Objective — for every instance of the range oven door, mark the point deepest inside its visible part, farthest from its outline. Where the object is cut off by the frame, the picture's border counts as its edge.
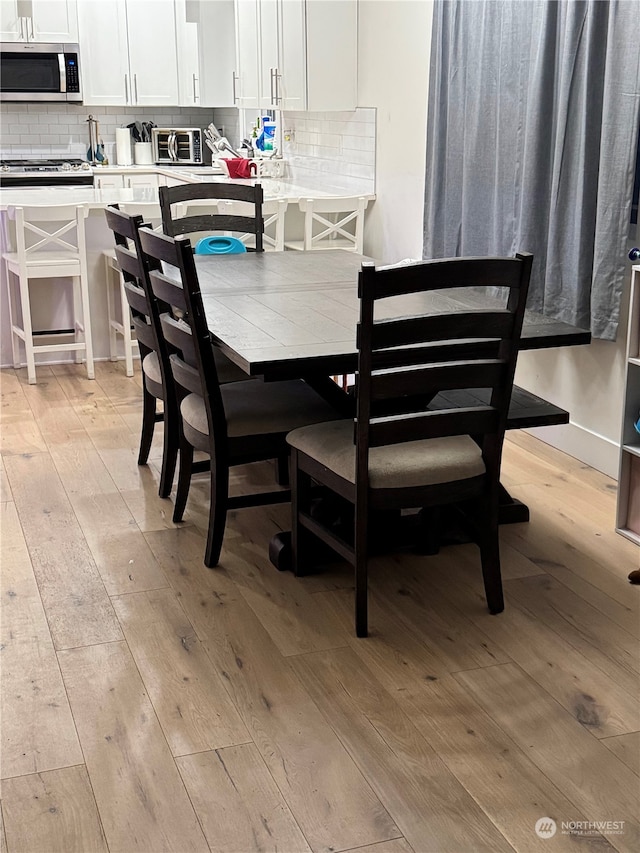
(50, 179)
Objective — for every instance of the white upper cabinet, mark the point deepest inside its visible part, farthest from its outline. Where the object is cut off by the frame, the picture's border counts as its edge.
(248, 54)
(217, 53)
(153, 59)
(104, 53)
(39, 21)
(187, 23)
(297, 54)
(128, 50)
(332, 54)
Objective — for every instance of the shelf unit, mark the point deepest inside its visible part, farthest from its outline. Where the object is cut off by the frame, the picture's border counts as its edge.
(628, 509)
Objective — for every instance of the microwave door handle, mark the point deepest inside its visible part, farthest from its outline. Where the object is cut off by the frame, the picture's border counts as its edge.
(63, 72)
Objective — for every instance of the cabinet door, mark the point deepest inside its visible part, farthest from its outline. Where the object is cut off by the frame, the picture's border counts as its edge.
(268, 52)
(109, 182)
(332, 55)
(291, 85)
(188, 56)
(104, 54)
(13, 27)
(149, 181)
(56, 20)
(153, 60)
(217, 53)
(247, 54)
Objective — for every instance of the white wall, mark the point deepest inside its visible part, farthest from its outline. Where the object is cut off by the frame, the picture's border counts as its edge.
(394, 38)
(394, 48)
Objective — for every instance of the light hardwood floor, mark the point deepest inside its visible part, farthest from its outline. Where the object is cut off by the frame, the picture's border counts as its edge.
(150, 704)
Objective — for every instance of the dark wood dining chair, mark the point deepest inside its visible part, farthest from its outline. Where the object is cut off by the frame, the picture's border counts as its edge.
(398, 454)
(157, 378)
(212, 222)
(234, 424)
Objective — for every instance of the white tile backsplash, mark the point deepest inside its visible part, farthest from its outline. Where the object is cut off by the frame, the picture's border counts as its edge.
(331, 150)
(44, 130)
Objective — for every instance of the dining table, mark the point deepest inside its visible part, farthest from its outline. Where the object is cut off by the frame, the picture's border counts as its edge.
(285, 315)
(282, 315)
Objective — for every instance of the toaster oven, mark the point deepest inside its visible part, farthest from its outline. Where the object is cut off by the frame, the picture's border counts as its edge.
(177, 145)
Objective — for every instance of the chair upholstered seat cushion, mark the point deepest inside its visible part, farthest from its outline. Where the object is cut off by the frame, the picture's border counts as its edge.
(394, 466)
(258, 408)
(151, 367)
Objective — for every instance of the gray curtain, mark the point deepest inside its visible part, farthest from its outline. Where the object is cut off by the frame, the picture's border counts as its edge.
(534, 110)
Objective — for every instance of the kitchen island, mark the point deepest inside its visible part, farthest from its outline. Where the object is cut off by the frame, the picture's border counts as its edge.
(143, 200)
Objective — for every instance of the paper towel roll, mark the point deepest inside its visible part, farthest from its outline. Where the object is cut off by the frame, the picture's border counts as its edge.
(123, 146)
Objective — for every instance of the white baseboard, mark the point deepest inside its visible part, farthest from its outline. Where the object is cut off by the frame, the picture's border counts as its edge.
(590, 447)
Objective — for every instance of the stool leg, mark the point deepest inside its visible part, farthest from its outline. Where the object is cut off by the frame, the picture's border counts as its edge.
(86, 321)
(10, 278)
(109, 272)
(25, 305)
(126, 329)
(76, 313)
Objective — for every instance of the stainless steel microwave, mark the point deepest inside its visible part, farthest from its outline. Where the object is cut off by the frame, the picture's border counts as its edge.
(177, 145)
(39, 72)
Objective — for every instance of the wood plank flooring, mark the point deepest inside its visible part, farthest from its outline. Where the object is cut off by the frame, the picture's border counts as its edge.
(150, 704)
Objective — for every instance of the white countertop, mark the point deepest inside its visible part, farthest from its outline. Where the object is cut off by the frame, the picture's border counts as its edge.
(99, 198)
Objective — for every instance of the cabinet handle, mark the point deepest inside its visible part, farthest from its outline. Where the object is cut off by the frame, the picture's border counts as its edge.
(195, 96)
(276, 77)
(234, 78)
(271, 95)
(22, 36)
(135, 86)
(32, 36)
(62, 72)
(126, 88)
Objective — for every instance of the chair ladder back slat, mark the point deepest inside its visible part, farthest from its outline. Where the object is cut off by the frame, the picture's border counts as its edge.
(129, 263)
(167, 290)
(137, 299)
(144, 332)
(430, 379)
(178, 335)
(186, 376)
(433, 354)
(459, 272)
(440, 327)
(476, 420)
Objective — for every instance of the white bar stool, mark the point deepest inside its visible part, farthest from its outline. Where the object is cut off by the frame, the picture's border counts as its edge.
(322, 233)
(50, 243)
(273, 213)
(118, 314)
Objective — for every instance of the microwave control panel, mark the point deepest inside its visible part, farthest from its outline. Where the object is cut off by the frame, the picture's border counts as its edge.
(197, 147)
(73, 78)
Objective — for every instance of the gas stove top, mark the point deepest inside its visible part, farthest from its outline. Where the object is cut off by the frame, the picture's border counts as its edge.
(42, 173)
(43, 166)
